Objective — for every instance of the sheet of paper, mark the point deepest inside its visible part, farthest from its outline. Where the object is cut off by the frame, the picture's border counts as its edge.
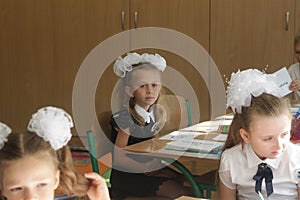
(215, 123)
(194, 145)
(221, 137)
(207, 126)
(224, 117)
(199, 128)
(179, 135)
(190, 154)
(283, 80)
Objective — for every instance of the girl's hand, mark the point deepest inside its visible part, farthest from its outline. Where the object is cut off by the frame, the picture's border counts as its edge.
(98, 189)
(295, 85)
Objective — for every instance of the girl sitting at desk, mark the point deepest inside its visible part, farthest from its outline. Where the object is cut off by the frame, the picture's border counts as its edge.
(258, 160)
(139, 120)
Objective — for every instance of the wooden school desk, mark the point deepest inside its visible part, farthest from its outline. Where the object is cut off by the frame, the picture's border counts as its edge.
(196, 165)
(189, 165)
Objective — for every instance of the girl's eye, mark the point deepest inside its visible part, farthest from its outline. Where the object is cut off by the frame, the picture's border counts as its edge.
(42, 185)
(16, 189)
(154, 84)
(267, 139)
(142, 86)
(284, 135)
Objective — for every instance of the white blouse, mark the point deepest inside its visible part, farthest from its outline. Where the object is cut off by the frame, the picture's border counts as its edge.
(238, 166)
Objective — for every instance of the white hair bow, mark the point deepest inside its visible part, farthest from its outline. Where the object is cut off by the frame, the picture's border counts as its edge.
(4, 132)
(53, 125)
(124, 65)
(244, 84)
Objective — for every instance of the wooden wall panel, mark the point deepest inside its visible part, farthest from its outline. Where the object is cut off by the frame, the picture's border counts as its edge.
(26, 60)
(251, 33)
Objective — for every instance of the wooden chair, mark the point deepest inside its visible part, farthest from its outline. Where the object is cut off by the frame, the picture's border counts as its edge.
(178, 112)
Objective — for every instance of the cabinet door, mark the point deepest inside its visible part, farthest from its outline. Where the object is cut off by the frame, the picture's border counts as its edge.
(43, 44)
(251, 33)
(26, 60)
(190, 17)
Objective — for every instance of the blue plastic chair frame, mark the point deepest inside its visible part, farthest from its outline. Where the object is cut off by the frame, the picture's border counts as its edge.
(188, 108)
(92, 151)
(208, 189)
(94, 160)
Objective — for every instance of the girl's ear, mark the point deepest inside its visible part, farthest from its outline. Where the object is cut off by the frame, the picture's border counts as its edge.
(129, 91)
(244, 135)
(57, 176)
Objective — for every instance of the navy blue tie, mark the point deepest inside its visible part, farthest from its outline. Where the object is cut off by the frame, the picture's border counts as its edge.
(264, 172)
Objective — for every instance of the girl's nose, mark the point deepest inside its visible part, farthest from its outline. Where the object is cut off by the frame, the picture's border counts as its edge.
(148, 89)
(278, 143)
(29, 195)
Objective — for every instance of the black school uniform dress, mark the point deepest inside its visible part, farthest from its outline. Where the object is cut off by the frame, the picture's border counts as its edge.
(124, 182)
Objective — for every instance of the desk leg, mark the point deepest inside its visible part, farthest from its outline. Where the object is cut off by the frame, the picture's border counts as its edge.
(188, 175)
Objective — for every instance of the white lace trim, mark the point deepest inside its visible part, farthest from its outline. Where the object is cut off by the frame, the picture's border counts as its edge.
(4, 132)
(249, 82)
(124, 65)
(53, 125)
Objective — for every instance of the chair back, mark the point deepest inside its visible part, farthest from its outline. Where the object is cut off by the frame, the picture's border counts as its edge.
(104, 121)
(178, 112)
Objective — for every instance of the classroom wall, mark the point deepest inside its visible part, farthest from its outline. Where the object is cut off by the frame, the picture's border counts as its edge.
(43, 44)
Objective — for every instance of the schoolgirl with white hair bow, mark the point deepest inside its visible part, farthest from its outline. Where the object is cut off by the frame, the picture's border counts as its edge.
(258, 161)
(34, 163)
(140, 118)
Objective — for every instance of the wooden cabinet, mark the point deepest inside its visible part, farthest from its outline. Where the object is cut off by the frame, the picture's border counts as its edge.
(27, 61)
(190, 17)
(43, 44)
(252, 33)
(297, 16)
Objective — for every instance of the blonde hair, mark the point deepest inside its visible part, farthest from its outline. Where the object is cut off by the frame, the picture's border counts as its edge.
(130, 103)
(265, 105)
(20, 145)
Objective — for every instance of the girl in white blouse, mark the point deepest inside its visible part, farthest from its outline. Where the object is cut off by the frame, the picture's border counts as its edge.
(258, 160)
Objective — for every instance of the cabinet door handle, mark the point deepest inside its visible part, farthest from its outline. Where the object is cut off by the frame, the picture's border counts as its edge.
(135, 19)
(122, 20)
(287, 17)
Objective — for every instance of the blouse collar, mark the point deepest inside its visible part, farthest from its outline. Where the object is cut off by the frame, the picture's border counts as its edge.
(147, 116)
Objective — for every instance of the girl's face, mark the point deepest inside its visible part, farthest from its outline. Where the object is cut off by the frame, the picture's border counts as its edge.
(145, 87)
(268, 136)
(30, 178)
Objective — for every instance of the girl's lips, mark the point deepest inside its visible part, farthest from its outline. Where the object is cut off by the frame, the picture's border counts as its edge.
(149, 98)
